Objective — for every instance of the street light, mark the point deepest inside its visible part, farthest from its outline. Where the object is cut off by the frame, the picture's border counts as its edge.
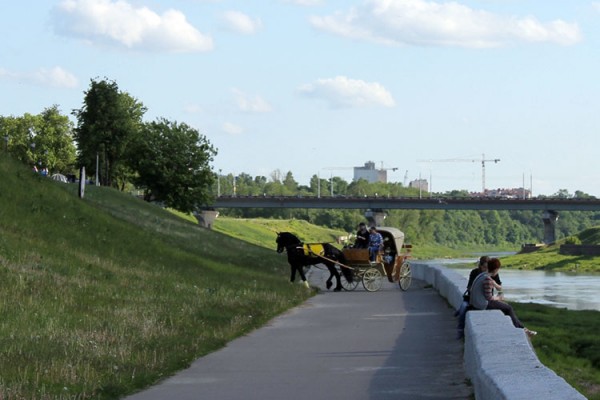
(219, 184)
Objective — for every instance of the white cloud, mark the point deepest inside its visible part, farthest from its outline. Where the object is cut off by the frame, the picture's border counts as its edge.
(254, 104)
(53, 77)
(307, 3)
(118, 22)
(193, 109)
(232, 129)
(596, 5)
(343, 92)
(241, 23)
(429, 23)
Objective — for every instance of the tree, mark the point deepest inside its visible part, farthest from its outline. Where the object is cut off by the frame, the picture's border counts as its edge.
(55, 141)
(106, 123)
(172, 164)
(290, 184)
(43, 140)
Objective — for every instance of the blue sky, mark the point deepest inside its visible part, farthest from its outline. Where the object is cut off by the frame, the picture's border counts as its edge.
(318, 87)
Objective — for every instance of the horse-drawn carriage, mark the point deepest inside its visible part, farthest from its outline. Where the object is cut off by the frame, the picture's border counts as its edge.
(390, 262)
(354, 264)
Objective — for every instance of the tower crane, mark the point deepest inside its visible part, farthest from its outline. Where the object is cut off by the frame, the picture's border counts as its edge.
(483, 160)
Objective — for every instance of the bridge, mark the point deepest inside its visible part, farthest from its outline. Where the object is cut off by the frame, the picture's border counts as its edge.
(407, 203)
(375, 206)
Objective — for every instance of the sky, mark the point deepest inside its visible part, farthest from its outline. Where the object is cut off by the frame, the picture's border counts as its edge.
(426, 89)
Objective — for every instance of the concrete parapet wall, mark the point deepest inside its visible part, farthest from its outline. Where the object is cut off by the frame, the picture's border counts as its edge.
(499, 358)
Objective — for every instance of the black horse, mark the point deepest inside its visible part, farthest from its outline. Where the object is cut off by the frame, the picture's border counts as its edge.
(298, 258)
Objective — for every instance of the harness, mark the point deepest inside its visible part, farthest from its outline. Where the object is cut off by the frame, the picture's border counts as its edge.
(313, 249)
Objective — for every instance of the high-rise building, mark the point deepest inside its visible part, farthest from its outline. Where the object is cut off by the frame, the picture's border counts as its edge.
(420, 184)
(369, 173)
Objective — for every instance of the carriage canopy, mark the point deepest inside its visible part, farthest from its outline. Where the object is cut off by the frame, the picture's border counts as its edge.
(393, 238)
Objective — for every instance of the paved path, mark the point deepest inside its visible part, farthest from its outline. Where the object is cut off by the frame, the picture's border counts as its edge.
(349, 345)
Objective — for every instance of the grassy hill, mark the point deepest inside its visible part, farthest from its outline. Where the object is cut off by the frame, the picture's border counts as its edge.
(549, 258)
(104, 295)
(263, 231)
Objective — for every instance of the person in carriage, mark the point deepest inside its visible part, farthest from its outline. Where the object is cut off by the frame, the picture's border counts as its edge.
(375, 243)
(362, 237)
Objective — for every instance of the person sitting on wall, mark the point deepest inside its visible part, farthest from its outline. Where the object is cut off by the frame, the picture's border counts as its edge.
(461, 313)
(483, 298)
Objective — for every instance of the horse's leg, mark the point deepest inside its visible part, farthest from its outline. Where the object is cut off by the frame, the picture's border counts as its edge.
(328, 283)
(300, 269)
(293, 273)
(333, 272)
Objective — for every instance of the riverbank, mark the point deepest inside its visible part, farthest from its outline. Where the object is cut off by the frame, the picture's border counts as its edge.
(497, 356)
(567, 342)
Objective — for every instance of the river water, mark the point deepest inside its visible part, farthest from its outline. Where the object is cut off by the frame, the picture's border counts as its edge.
(574, 291)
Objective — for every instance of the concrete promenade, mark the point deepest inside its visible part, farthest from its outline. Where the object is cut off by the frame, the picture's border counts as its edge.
(348, 345)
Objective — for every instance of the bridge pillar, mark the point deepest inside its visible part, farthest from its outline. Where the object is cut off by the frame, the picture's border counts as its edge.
(206, 218)
(375, 217)
(550, 217)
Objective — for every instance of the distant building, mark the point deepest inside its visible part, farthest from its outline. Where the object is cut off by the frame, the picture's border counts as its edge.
(369, 173)
(420, 184)
(508, 193)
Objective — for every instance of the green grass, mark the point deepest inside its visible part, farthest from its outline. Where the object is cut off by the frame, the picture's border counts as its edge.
(103, 296)
(263, 232)
(548, 258)
(567, 342)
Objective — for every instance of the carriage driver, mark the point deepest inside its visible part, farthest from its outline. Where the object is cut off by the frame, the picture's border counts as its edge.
(375, 243)
(362, 237)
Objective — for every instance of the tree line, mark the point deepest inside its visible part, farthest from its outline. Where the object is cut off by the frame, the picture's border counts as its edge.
(450, 228)
(167, 160)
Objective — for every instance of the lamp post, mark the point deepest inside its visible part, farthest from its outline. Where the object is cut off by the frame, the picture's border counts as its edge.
(219, 184)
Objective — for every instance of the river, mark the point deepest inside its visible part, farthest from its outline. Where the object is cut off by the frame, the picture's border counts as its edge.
(575, 291)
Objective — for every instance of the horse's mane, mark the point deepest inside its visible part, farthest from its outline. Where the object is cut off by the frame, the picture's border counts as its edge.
(288, 236)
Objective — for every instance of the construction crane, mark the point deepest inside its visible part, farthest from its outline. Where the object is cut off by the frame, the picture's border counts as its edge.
(483, 160)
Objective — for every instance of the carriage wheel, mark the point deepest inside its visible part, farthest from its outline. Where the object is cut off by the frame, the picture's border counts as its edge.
(349, 286)
(372, 280)
(405, 276)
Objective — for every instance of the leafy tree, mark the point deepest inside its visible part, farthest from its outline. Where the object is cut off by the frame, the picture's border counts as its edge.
(55, 141)
(21, 137)
(172, 164)
(290, 183)
(106, 124)
(562, 194)
(43, 140)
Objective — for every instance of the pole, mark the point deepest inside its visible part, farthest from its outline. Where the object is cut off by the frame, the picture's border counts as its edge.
(331, 183)
(318, 184)
(219, 184)
(97, 166)
(482, 173)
